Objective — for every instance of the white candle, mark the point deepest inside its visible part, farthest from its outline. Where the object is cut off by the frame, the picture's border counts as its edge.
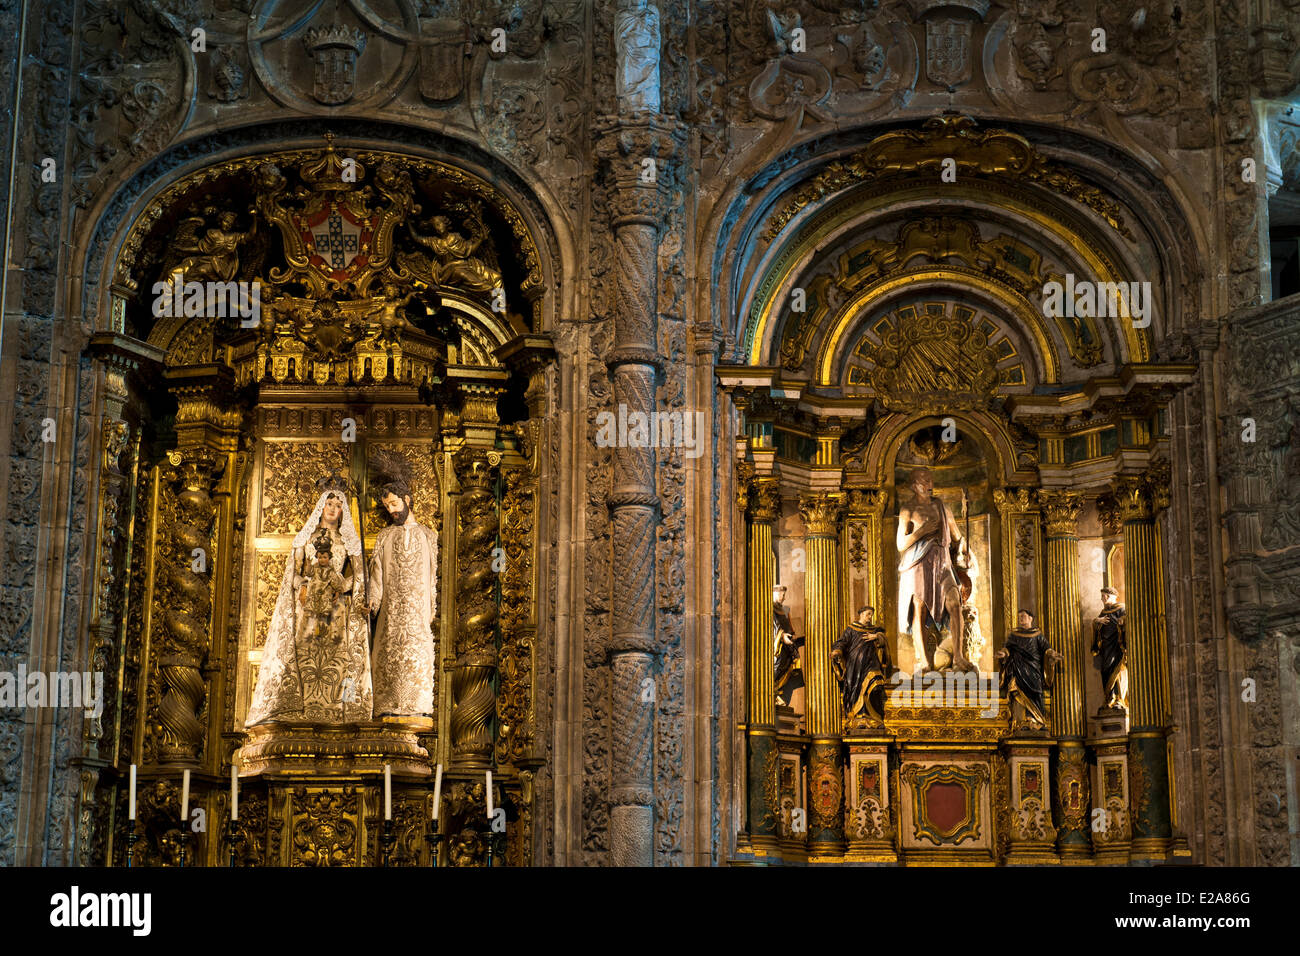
(489, 794)
(131, 810)
(234, 793)
(185, 796)
(388, 791)
(437, 792)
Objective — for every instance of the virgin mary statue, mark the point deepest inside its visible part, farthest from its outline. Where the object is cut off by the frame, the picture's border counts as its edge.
(316, 661)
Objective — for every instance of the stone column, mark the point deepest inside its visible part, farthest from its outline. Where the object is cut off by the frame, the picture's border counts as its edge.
(1062, 625)
(633, 149)
(1138, 499)
(763, 760)
(823, 621)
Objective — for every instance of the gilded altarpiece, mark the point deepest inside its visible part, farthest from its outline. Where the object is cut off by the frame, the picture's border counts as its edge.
(318, 319)
(894, 364)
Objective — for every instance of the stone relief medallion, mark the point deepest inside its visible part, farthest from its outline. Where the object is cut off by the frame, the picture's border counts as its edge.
(351, 53)
(947, 51)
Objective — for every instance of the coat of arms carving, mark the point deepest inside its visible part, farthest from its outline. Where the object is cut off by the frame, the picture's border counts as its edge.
(335, 50)
(947, 51)
(443, 59)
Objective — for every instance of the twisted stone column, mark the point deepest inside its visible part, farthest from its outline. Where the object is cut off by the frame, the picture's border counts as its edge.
(1138, 500)
(1060, 527)
(821, 515)
(760, 561)
(633, 150)
(473, 699)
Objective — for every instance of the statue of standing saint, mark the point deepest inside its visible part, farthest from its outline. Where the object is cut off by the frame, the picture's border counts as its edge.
(787, 674)
(636, 40)
(1110, 650)
(928, 593)
(403, 578)
(859, 661)
(1028, 666)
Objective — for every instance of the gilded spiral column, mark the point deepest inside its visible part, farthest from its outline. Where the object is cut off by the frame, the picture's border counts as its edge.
(188, 608)
(1138, 500)
(634, 149)
(760, 561)
(1062, 626)
(473, 698)
(823, 621)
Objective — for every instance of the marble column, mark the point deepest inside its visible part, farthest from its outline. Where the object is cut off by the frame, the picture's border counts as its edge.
(1138, 500)
(823, 620)
(763, 810)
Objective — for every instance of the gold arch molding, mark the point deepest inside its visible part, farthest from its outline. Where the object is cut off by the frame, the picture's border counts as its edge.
(877, 296)
(883, 449)
(1064, 231)
(525, 246)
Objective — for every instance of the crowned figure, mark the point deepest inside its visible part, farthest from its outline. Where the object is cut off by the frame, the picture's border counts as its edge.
(316, 660)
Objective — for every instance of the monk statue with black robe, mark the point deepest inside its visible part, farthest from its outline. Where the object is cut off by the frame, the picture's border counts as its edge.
(1028, 666)
(1110, 651)
(860, 660)
(788, 674)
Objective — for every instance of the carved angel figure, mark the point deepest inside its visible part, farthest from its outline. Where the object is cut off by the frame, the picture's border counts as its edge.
(214, 256)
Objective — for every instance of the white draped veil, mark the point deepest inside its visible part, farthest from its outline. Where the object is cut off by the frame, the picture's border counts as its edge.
(277, 687)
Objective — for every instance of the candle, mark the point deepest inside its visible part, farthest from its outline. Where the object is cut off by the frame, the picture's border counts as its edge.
(131, 811)
(185, 796)
(489, 794)
(437, 792)
(234, 793)
(388, 791)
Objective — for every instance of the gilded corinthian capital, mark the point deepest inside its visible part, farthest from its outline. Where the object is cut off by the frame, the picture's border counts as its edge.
(1132, 499)
(821, 513)
(1060, 512)
(764, 499)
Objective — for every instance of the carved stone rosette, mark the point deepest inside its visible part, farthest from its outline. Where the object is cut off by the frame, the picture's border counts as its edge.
(473, 699)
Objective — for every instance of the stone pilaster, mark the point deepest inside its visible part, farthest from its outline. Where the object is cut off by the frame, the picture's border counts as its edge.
(763, 809)
(821, 516)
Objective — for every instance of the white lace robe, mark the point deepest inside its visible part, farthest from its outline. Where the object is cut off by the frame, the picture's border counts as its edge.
(403, 581)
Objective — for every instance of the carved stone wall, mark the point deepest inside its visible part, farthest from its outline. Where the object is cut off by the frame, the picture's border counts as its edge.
(116, 97)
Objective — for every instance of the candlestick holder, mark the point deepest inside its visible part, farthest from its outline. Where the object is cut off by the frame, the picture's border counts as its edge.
(230, 841)
(435, 839)
(387, 839)
(185, 842)
(130, 845)
(492, 836)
